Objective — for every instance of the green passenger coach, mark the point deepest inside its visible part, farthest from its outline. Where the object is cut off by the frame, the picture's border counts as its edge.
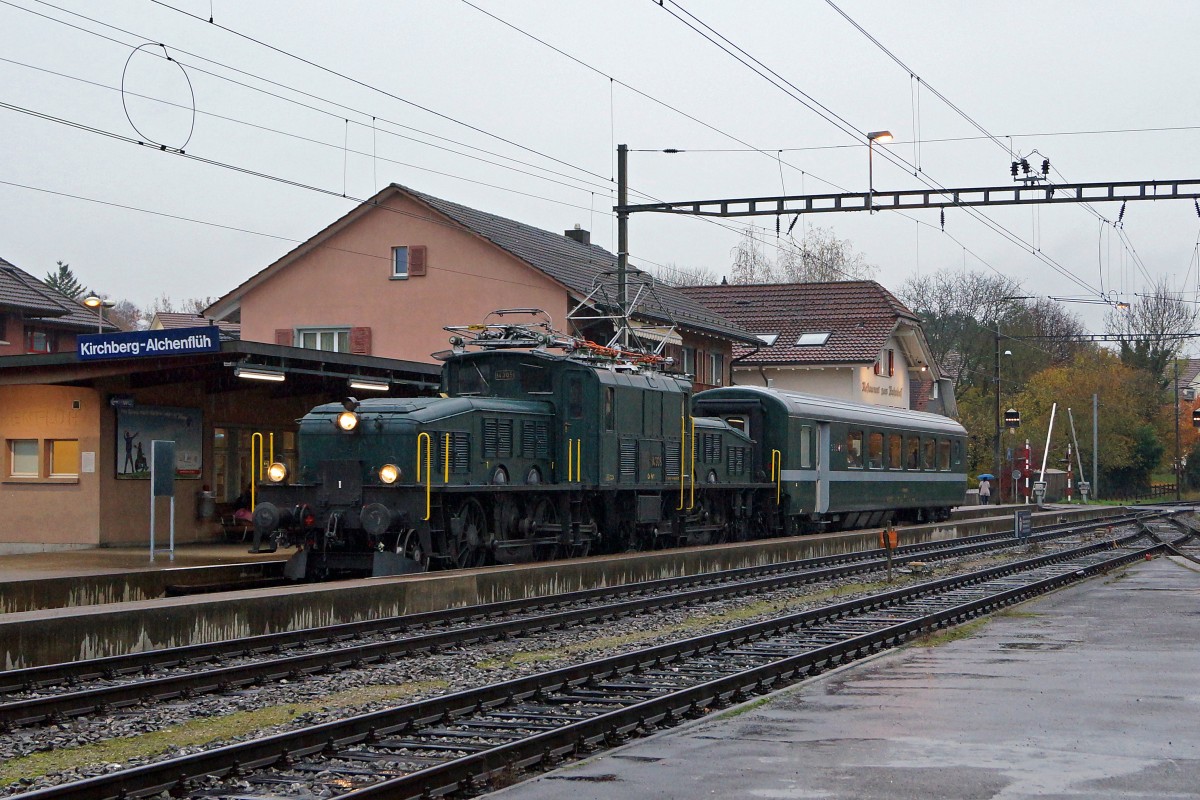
(847, 465)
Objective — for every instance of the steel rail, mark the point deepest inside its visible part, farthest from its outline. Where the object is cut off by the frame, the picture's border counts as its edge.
(282, 749)
(110, 667)
(102, 699)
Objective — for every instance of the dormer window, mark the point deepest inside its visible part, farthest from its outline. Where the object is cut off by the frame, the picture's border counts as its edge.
(767, 338)
(813, 339)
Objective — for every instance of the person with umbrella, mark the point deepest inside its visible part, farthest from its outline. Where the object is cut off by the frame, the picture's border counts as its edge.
(985, 488)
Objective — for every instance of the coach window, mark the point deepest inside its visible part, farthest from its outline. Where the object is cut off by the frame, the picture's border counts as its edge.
(895, 451)
(928, 453)
(806, 446)
(854, 449)
(943, 454)
(875, 451)
(912, 459)
(610, 408)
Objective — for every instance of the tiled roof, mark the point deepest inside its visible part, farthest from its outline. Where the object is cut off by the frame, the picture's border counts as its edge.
(572, 263)
(859, 316)
(22, 291)
(175, 319)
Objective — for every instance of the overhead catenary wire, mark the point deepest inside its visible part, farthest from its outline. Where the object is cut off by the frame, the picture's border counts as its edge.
(802, 97)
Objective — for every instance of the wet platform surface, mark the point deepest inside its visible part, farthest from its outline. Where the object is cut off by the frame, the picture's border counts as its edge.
(1092, 692)
(116, 560)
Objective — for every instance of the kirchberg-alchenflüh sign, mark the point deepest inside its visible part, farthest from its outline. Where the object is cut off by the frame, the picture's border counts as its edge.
(142, 344)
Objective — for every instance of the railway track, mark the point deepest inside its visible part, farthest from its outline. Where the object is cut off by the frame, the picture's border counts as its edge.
(468, 740)
(59, 692)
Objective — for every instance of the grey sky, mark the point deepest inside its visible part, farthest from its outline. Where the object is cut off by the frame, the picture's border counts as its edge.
(1017, 68)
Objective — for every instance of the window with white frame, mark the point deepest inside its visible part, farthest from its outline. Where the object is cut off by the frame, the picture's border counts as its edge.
(334, 340)
(716, 369)
(400, 262)
(23, 461)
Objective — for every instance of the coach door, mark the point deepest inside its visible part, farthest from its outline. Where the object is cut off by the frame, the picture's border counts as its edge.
(822, 456)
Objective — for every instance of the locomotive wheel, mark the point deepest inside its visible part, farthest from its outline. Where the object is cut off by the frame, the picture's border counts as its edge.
(469, 550)
(545, 512)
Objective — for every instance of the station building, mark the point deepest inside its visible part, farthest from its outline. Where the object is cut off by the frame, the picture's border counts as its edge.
(77, 420)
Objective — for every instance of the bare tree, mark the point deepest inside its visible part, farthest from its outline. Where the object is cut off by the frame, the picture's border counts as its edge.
(674, 275)
(750, 262)
(821, 257)
(1150, 328)
(126, 315)
(818, 257)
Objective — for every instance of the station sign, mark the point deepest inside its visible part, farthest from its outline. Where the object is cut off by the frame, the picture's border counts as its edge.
(1023, 523)
(144, 344)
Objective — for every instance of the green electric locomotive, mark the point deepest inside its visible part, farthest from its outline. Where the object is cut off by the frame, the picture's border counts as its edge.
(527, 455)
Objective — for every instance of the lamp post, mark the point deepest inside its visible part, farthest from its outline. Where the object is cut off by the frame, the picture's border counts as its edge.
(96, 302)
(874, 136)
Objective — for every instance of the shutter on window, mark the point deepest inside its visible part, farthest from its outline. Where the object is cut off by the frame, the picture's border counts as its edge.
(416, 261)
(360, 341)
(283, 336)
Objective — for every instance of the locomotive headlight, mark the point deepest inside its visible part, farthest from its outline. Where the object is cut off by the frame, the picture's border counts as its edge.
(347, 420)
(389, 473)
(277, 472)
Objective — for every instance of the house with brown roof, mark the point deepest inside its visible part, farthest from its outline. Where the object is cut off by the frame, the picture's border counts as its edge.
(36, 319)
(385, 278)
(167, 320)
(852, 340)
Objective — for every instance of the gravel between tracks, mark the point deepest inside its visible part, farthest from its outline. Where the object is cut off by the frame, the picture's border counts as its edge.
(430, 675)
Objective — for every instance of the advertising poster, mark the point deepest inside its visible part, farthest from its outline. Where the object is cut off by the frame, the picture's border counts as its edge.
(138, 426)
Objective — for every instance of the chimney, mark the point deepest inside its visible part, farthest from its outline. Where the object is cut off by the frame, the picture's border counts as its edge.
(579, 235)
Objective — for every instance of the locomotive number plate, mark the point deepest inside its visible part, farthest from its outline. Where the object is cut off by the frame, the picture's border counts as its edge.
(506, 374)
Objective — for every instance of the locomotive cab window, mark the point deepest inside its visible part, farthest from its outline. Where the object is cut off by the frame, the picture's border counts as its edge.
(737, 423)
(575, 397)
(610, 408)
(854, 442)
(535, 379)
(470, 378)
(875, 451)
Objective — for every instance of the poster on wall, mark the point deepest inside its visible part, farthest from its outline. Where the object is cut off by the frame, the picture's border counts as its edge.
(140, 425)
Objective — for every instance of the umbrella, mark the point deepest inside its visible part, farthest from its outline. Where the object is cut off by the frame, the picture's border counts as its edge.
(987, 476)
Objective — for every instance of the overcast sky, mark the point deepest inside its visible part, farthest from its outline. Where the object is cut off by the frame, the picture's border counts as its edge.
(441, 82)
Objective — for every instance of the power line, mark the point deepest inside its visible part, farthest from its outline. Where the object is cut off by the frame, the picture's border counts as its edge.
(806, 100)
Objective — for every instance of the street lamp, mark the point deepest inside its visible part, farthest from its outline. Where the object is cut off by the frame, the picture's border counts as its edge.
(883, 137)
(98, 303)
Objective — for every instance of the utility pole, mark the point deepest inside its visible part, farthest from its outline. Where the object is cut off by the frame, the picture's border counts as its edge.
(622, 238)
(1095, 446)
(1177, 470)
(999, 467)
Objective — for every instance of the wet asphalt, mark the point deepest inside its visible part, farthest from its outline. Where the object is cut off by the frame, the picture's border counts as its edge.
(1091, 692)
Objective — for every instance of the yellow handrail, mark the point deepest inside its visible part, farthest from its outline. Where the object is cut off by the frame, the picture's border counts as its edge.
(428, 450)
(255, 437)
(570, 460)
(692, 469)
(579, 460)
(446, 479)
(777, 473)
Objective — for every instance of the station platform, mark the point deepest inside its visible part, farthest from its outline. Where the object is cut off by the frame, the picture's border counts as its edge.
(1088, 692)
(118, 560)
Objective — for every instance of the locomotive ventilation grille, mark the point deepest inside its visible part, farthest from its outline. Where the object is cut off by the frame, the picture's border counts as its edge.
(497, 438)
(672, 460)
(535, 439)
(629, 457)
(460, 452)
(737, 460)
(711, 443)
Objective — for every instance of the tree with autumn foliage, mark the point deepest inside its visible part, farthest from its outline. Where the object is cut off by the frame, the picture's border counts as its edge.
(1130, 448)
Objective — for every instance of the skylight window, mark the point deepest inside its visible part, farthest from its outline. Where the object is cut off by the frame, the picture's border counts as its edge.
(767, 338)
(813, 339)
